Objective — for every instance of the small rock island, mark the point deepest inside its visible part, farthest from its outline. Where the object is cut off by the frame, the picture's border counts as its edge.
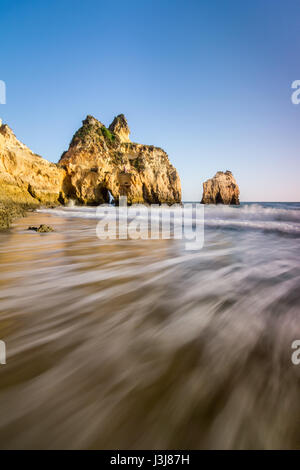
(221, 189)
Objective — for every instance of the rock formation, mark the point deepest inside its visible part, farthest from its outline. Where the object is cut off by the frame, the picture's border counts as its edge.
(119, 126)
(98, 157)
(25, 177)
(221, 189)
(99, 161)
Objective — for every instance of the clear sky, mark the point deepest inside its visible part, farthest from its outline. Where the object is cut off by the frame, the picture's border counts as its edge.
(207, 80)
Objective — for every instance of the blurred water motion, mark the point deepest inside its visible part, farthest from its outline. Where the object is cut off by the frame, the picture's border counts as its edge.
(142, 344)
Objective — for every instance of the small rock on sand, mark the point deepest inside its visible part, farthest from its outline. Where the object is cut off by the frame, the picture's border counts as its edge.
(42, 228)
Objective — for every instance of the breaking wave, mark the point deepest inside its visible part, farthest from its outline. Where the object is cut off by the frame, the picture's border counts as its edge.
(277, 217)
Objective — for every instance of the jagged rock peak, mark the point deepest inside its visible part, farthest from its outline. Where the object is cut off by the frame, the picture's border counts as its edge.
(5, 129)
(221, 189)
(91, 121)
(9, 136)
(98, 158)
(120, 127)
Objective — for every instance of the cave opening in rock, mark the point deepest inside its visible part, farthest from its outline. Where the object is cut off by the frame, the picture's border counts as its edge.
(219, 199)
(102, 195)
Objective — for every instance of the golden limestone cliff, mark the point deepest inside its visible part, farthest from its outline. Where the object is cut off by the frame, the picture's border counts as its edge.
(98, 161)
(102, 160)
(25, 177)
(221, 189)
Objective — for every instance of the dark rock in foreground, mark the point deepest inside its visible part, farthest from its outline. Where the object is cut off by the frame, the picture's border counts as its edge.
(42, 228)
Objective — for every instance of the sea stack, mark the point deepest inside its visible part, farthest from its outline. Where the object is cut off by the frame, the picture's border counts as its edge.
(221, 189)
(99, 158)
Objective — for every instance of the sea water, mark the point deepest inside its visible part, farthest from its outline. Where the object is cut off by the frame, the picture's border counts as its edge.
(132, 344)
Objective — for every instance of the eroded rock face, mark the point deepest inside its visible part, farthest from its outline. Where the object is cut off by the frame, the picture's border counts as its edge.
(97, 156)
(98, 161)
(119, 127)
(221, 189)
(26, 177)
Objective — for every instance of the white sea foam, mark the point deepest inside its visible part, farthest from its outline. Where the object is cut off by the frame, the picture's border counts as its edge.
(247, 216)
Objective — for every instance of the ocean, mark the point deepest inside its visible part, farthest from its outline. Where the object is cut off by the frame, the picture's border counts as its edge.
(143, 344)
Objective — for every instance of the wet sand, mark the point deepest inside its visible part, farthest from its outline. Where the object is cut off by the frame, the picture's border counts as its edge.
(142, 344)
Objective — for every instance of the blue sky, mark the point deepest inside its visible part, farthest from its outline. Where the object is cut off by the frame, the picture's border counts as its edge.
(209, 81)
